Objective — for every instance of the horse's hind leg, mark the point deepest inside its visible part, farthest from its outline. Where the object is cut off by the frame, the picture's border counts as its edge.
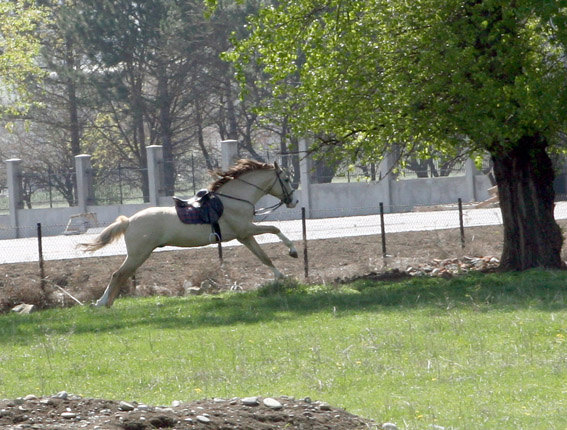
(119, 278)
(253, 246)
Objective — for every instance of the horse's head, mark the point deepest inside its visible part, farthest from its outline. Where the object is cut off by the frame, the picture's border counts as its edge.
(283, 189)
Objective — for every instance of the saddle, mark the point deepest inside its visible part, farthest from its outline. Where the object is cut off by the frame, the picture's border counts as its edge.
(204, 208)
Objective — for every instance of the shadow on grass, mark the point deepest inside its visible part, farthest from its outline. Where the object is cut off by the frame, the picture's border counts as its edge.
(540, 289)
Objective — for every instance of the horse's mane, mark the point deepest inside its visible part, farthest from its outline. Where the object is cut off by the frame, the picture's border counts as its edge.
(241, 167)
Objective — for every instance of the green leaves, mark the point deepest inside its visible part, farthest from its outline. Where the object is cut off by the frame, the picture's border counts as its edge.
(433, 71)
(19, 44)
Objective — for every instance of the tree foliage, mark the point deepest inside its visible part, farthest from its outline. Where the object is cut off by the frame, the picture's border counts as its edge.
(121, 75)
(19, 44)
(370, 73)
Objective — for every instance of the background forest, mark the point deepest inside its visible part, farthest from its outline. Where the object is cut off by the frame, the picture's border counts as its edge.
(117, 76)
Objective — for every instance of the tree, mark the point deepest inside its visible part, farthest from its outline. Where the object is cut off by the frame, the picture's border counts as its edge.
(488, 74)
(19, 44)
(56, 123)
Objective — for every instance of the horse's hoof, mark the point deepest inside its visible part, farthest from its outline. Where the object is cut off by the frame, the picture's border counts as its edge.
(293, 254)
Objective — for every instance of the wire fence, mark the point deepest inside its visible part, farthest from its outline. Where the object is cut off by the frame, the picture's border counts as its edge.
(442, 243)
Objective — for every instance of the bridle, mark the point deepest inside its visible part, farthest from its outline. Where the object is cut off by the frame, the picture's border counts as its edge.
(285, 199)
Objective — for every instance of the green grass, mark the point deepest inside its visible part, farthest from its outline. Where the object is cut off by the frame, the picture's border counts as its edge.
(478, 352)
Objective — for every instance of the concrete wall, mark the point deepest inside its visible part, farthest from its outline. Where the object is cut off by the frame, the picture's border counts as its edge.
(355, 198)
(434, 191)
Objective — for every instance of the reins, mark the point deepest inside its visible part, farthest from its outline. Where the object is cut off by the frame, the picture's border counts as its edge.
(269, 209)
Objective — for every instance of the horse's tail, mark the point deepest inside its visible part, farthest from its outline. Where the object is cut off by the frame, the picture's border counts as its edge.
(108, 235)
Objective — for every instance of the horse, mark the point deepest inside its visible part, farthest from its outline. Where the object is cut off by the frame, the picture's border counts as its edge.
(239, 189)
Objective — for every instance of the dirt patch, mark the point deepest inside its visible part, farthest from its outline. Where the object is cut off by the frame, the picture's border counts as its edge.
(70, 412)
(176, 273)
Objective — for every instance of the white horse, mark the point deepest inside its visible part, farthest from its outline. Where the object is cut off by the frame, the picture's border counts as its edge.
(239, 189)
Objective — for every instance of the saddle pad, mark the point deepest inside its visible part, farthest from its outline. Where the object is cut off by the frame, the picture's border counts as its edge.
(208, 213)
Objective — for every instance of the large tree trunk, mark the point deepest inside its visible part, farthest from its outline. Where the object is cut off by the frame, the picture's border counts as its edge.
(524, 176)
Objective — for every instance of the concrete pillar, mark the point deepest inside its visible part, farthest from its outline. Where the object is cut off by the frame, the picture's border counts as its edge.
(155, 173)
(385, 174)
(229, 153)
(470, 172)
(15, 200)
(305, 176)
(85, 191)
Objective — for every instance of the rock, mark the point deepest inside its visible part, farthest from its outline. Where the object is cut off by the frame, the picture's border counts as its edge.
(324, 406)
(250, 401)
(125, 406)
(69, 415)
(176, 403)
(63, 395)
(24, 309)
(203, 419)
(30, 397)
(389, 426)
(272, 403)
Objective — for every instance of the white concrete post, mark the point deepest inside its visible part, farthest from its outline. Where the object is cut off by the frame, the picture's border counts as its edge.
(15, 200)
(84, 174)
(305, 176)
(229, 153)
(155, 173)
(470, 173)
(385, 174)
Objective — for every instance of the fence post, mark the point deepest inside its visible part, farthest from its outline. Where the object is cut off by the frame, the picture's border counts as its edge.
(470, 173)
(14, 176)
(40, 252)
(305, 257)
(120, 183)
(84, 172)
(305, 175)
(193, 172)
(50, 189)
(461, 224)
(155, 181)
(382, 229)
(229, 153)
(385, 174)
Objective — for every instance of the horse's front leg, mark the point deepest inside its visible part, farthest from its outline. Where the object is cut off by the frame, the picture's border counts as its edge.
(263, 229)
(253, 246)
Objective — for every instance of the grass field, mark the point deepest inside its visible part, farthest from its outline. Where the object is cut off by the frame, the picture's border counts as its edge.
(475, 352)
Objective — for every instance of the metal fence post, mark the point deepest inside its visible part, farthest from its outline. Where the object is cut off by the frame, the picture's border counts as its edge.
(40, 252)
(461, 224)
(382, 229)
(305, 257)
